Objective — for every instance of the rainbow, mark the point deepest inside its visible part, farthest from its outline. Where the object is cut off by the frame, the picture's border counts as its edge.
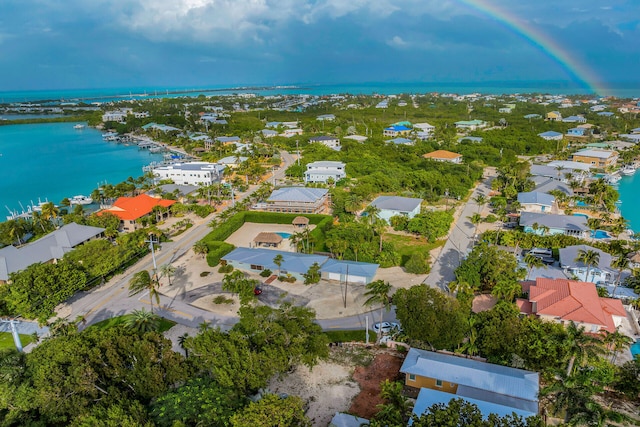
(546, 44)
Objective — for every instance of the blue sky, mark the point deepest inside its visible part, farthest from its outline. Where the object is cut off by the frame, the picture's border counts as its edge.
(66, 44)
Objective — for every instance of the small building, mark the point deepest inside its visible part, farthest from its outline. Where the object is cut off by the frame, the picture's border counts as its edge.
(231, 161)
(131, 209)
(577, 132)
(391, 206)
(565, 301)
(267, 239)
(534, 201)
(532, 116)
(551, 135)
(444, 156)
(114, 116)
(597, 158)
(193, 173)
(549, 224)
(332, 142)
(269, 133)
(603, 272)
(553, 116)
(474, 139)
(288, 133)
(574, 119)
(326, 117)
(296, 200)
(396, 130)
(494, 388)
(400, 141)
(348, 271)
(300, 222)
(357, 138)
(322, 171)
(471, 125)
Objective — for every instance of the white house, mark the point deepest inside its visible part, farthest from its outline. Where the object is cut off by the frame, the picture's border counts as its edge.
(470, 124)
(194, 173)
(114, 116)
(288, 133)
(551, 135)
(602, 272)
(323, 170)
(330, 141)
(326, 117)
(534, 201)
(394, 205)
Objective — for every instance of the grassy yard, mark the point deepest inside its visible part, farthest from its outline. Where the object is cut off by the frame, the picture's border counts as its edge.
(408, 245)
(349, 336)
(6, 340)
(165, 324)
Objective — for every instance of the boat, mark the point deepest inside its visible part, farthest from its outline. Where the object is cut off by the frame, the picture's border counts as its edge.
(78, 126)
(80, 200)
(612, 179)
(628, 170)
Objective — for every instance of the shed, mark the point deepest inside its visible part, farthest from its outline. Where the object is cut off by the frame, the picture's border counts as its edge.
(300, 221)
(267, 239)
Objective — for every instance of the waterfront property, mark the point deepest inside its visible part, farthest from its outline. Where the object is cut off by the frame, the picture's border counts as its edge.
(535, 201)
(444, 156)
(194, 173)
(332, 142)
(49, 248)
(597, 158)
(132, 209)
(322, 171)
(565, 301)
(549, 224)
(390, 206)
(546, 185)
(296, 200)
(602, 272)
(493, 388)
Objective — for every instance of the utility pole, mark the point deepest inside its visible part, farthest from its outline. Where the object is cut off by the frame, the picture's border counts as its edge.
(14, 332)
(151, 242)
(298, 151)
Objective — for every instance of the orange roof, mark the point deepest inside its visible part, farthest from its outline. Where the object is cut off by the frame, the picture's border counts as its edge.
(441, 154)
(573, 301)
(132, 208)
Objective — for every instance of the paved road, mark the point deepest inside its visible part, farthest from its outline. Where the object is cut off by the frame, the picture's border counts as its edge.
(460, 240)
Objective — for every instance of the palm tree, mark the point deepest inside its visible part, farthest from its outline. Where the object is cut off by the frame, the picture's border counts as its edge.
(621, 263)
(532, 261)
(480, 200)
(49, 212)
(581, 346)
(167, 270)
(142, 321)
(182, 341)
(378, 293)
(506, 290)
(16, 230)
(277, 260)
(372, 213)
(201, 248)
(380, 226)
(475, 219)
(590, 258)
(616, 342)
(142, 281)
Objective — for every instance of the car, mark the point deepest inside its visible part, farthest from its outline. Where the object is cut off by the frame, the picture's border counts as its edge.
(257, 290)
(386, 327)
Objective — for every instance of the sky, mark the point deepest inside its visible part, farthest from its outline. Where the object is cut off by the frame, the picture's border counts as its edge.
(82, 44)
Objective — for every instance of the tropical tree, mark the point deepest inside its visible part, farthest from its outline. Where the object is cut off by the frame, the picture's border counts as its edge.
(142, 321)
(50, 212)
(142, 281)
(532, 261)
(590, 258)
(475, 219)
(581, 346)
(277, 260)
(506, 290)
(372, 212)
(201, 248)
(167, 270)
(378, 293)
(480, 200)
(621, 263)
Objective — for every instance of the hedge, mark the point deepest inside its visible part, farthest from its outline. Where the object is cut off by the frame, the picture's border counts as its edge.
(216, 237)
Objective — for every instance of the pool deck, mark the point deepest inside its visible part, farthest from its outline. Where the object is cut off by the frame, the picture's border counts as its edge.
(244, 236)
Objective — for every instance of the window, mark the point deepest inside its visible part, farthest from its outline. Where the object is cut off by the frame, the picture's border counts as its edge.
(412, 377)
(438, 383)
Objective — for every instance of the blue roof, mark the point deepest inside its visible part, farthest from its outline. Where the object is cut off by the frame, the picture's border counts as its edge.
(605, 113)
(550, 133)
(398, 128)
(360, 269)
(536, 197)
(293, 262)
(400, 141)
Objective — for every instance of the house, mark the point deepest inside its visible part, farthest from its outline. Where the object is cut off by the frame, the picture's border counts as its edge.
(551, 135)
(332, 142)
(357, 138)
(596, 158)
(505, 110)
(605, 113)
(494, 388)
(534, 201)
(474, 139)
(383, 104)
(296, 200)
(597, 273)
(532, 116)
(553, 116)
(227, 140)
(231, 161)
(574, 119)
(49, 248)
(193, 173)
(390, 206)
(400, 141)
(114, 116)
(549, 224)
(288, 133)
(322, 171)
(297, 264)
(444, 156)
(424, 127)
(326, 117)
(396, 130)
(564, 301)
(576, 132)
(160, 127)
(269, 133)
(131, 209)
(470, 124)
(546, 185)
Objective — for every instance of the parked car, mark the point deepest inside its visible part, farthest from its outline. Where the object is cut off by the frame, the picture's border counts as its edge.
(386, 327)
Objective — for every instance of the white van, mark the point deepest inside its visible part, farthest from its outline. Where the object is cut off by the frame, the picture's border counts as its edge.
(541, 252)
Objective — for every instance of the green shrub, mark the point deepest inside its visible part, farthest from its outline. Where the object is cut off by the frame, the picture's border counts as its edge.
(204, 274)
(226, 269)
(491, 218)
(418, 263)
(221, 299)
(216, 251)
(265, 273)
(287, 278)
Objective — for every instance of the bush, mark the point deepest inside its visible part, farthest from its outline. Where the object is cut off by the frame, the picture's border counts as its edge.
(204, 274)
(418, 263)
(221, 299)
(217, 250)
(288, 279)
(226, 269)
(491, 219)
(265, 273)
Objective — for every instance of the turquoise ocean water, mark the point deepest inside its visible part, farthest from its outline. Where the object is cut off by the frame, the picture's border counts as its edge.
(54, 161)
(629, 189)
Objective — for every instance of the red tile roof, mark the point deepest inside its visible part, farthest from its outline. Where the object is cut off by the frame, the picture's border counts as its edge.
(441, 154)
(573, 301)
(132, 208)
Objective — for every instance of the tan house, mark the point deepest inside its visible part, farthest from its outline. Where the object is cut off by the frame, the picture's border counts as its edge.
(553, 116)
(596, 158)
(444, 156)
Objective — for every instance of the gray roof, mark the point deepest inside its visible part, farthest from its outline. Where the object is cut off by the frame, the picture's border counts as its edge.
(550, 171)
(326, 164)
(400, 141)
(182, 189)
(340, 419)
(480, 380)
(228, 138)
(598, 154)
(359, 269)
(535, 197)
(567, 164)
(322, 138)
(561, 222)
(292, 262)
(569, 254)
(545, 185)
(297, 194)
(51, 246)
(396, 203)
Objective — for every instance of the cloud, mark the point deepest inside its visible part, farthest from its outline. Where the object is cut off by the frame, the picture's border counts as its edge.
(396, 41)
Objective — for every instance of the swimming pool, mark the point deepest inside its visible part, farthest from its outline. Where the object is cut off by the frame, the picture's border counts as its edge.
(583, 215)
(600, 234)
(635, 349)
(283, 235)
(580, 203)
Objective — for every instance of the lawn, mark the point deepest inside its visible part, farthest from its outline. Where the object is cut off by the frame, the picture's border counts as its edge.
(349, 336)
(6, 340)
(408, 245)
(165, 324)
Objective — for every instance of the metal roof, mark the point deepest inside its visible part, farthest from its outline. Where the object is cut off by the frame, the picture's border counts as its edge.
(569, 255)
(396, 203)
(359, 269)
(562, 222)
(297, 194)
(292, 262)
(325, 164)
(323, 138)
(537, 198)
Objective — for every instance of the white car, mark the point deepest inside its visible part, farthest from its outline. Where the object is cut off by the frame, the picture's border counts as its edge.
(386, 327)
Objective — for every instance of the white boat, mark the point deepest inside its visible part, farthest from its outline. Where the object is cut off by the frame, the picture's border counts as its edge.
(78, 126)
(612, 179)
(80, 200)
(628, 170)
